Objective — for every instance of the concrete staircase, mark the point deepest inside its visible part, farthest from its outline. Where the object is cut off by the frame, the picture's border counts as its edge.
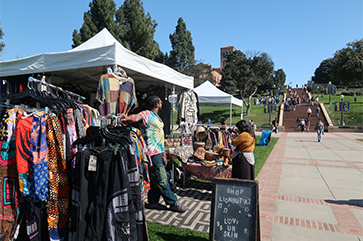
(290, 117)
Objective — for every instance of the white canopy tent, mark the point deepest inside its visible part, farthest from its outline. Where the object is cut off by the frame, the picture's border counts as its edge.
(208, 93)
(86, 63)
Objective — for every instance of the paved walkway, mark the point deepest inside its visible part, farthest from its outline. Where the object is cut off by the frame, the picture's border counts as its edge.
(308, 191)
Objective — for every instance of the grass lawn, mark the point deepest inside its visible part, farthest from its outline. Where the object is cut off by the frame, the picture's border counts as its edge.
(262, 153)
(159, 232)
(352, 118)
(214, 111)
(360, 140)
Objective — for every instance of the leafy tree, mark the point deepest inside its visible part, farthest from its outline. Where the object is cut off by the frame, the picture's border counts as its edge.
(161, 57)
(348, 66)
(2, 44)
(138, 29)
(181, 56)
(201, 73)
(246, 74)
(322, 74)
(278, 78)
(101, 15)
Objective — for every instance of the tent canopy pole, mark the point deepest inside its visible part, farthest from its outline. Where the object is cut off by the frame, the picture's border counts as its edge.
(230, 113)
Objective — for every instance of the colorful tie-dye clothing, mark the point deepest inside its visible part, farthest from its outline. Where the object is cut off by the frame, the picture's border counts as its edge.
(143, 161)
(153, 132)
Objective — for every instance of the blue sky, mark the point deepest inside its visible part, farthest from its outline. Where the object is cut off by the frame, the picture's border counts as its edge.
(298, 35)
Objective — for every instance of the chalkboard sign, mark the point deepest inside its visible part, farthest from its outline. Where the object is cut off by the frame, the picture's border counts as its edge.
(234, 210)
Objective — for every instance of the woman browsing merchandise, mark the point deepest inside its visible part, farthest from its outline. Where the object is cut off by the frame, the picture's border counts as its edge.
(243, 166)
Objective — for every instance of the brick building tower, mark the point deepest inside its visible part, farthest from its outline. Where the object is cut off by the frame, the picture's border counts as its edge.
(224, 51)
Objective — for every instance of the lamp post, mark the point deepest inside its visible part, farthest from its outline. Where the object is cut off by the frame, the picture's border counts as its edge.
(269, 110)
(329, 92)
(341, 107)
(274, 87)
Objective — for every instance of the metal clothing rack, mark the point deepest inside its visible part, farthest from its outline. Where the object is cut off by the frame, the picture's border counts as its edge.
(114, 120)
(77, 97)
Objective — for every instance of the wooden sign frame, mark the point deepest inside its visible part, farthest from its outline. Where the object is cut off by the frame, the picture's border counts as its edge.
(234, 210)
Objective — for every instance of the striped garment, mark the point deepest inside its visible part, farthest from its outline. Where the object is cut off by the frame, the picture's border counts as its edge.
(108, 94)
(127, 99)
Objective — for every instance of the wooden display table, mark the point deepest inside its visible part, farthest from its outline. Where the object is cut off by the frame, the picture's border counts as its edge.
(209, 173)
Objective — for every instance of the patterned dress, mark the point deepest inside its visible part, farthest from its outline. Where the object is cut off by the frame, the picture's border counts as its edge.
(58, 201)
(8, 175)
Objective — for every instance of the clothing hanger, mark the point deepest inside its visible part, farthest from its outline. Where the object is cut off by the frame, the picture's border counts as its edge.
(116, 72)
(111, 135)
(92, 134)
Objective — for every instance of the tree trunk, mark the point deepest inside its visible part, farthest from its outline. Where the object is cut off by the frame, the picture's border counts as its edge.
(248, 105)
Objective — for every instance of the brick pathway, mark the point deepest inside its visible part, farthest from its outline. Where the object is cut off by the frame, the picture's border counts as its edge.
(345, 222)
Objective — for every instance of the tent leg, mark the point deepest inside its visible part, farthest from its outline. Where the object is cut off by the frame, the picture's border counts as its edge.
(172, 108)
(230, 114)
(242, 111)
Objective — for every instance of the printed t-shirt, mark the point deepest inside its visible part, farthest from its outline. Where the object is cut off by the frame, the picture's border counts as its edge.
(153, 132)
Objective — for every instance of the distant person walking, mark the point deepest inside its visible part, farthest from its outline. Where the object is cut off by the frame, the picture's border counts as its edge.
(275, 123)
(298, 122)
(317, 111)
(222, 121)
(302, 124)
(309, 112)
(253, 125)
(319, 127)
(307, 124)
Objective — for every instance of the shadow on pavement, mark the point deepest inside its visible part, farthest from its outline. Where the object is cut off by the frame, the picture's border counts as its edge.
(196, 190)
(351, 202)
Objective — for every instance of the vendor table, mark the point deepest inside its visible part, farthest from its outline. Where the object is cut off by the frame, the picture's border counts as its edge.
(182, 152)
(209, 173)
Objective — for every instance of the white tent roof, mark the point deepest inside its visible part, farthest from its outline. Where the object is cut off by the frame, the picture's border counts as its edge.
(85, 64)
(208, 93)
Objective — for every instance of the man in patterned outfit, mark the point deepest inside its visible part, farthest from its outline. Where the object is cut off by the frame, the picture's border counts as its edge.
(153, 133)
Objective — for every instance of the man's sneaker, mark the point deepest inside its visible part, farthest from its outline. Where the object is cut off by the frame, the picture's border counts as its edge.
(157, 206)
(178, 207)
